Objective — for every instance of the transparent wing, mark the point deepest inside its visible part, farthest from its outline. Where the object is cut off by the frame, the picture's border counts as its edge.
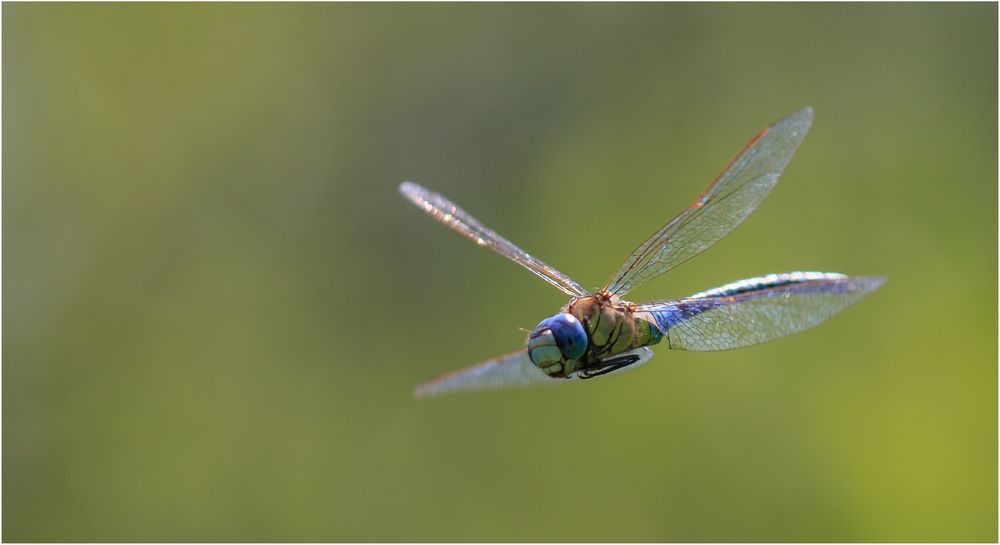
(724, 205)
(514, 369)
(756, 310)
(458, 220)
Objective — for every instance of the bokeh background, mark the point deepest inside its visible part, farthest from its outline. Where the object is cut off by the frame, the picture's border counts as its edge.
(216, 304)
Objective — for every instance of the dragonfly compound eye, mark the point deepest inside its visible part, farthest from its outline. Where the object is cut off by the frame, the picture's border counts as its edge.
(555, 340)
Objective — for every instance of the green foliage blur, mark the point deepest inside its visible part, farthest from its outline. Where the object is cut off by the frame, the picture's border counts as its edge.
(216, 304)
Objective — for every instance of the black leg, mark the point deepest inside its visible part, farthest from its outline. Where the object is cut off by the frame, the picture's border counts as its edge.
(606, 366)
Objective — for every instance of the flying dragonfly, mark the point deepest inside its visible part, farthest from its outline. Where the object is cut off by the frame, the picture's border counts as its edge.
(601, 333)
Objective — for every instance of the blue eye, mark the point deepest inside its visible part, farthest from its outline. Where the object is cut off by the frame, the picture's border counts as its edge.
(569, 334)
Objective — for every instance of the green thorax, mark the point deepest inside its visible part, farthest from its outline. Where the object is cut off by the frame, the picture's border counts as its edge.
(611, 326)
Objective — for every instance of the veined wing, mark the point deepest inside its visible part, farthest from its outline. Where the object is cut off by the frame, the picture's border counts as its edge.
(724, 205)
(514, 369)
(756, 310)
(446, 212)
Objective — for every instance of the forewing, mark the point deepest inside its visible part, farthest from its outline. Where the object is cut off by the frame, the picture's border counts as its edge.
(756, 310)
(724, 205)
(446, 212)
(514, 369)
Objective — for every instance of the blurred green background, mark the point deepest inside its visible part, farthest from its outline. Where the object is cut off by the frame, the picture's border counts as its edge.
(216, 304)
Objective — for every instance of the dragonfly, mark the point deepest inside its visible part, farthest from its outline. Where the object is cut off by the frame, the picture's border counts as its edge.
(600, 333)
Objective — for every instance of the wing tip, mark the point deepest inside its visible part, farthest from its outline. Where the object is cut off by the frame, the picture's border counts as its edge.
(407, 187)
(434, 386)
(422, 391)
(802, 117)
(874, 282)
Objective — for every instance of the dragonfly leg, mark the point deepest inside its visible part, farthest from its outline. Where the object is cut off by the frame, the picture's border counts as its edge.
(604, 367)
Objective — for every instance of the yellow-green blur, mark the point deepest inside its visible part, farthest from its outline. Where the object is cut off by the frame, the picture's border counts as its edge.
(216, 304)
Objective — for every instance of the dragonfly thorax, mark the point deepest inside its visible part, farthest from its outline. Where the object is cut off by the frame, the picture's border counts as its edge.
(611, 326)
(557, 343)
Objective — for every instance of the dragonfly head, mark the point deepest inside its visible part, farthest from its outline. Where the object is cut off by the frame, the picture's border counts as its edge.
(556, 342)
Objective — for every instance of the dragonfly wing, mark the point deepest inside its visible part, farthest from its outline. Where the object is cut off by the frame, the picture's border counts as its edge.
(514, 369)
(446, 212)
(756, 310)
(724, 205)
